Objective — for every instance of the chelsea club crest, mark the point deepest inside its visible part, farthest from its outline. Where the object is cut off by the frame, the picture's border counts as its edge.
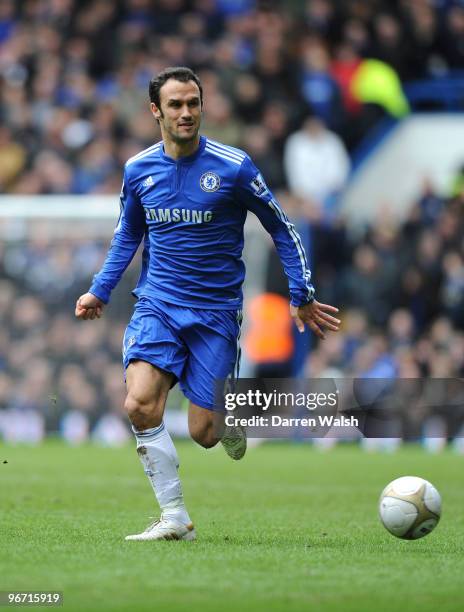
(210, 181)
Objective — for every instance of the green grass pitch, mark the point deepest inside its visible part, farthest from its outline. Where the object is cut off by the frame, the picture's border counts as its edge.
(287, 528)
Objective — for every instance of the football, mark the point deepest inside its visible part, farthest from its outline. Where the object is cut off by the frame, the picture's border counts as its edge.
(410, 507)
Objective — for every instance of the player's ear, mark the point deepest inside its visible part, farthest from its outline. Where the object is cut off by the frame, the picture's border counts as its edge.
(157, 114)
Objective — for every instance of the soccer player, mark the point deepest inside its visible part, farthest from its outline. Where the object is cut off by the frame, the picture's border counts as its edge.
(187, 198)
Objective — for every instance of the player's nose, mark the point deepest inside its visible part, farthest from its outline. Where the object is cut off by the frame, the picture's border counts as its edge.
(186, 113)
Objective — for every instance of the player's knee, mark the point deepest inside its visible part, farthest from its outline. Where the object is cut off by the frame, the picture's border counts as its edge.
(142, 414)
(204, 436)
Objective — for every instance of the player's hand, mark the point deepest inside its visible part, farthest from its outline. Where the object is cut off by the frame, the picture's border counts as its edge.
(316, 316)
(88, 306)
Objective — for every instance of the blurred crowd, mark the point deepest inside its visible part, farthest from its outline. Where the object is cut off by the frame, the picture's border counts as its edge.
(400, 289)
(74, 75)
(277, 79)
(55, 373)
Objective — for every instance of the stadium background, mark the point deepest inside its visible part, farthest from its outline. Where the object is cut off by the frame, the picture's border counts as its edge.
(286, 81)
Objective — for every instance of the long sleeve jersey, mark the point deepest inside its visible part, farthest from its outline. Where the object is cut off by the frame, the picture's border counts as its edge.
(190, 213)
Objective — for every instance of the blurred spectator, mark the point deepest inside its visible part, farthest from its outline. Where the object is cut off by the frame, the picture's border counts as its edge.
(452, 296)
(452, 35)
(401, 329)
(318, 88)
(316, 164)
(343, 68)
(368, 285)
(257, 143)
(423, 29)
(249, 98)
(218, 122)
(276, 121)
(430, 204)
(388, 42)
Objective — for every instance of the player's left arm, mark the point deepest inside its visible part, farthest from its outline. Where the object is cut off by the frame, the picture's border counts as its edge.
(253, 193)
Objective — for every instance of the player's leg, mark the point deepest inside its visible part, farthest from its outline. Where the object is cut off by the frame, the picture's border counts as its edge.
(204, 425)
(207, 429)
(147, 391)
(214, 356)
(153, 358)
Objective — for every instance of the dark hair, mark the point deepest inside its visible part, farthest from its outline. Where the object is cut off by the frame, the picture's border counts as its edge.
(179, 73)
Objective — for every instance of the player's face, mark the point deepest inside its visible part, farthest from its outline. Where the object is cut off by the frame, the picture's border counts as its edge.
(180, 112)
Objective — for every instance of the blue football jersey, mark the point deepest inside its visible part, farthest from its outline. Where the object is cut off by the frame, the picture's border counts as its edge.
(190, 212)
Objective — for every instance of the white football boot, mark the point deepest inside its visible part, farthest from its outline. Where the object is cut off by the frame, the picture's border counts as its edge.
(234, 441)
(165, 529)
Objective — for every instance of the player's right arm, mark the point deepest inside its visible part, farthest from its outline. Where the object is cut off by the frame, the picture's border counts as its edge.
(127, 237)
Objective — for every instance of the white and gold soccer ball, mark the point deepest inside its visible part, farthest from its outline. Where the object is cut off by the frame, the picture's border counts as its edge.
(410, 507)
